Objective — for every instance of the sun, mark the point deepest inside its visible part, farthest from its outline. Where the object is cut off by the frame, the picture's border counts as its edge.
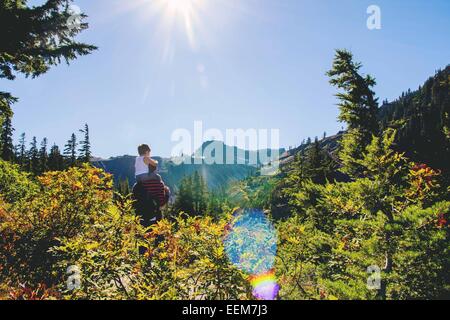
(176, 24)
(182, 14)
(181, 7)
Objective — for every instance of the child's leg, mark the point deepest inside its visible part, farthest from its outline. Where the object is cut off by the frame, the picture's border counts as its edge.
(143, 177)
(154, 176)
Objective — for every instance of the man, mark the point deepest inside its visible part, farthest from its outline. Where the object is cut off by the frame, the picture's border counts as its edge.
(150, 196)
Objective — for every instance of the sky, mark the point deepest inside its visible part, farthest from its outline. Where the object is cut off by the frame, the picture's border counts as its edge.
(261, 64)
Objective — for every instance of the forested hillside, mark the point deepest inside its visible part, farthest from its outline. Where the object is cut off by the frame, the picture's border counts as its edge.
(366, 199)
(422, 119)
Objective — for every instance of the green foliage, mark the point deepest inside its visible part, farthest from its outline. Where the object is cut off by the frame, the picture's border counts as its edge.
(15, 184)
(70, 151)
(422, 120)
(253, 192)
(352, 147)
(67, 204)
(186, 260)
(388, 218)
(358, 108)
(6, 141)
(85, 146)
(123, 187)
(192, 196)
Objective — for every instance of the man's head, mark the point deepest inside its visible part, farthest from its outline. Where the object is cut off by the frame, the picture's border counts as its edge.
(144, 150)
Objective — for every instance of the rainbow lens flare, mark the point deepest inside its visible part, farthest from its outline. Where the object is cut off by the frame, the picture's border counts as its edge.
(251, 245)
(265, 286)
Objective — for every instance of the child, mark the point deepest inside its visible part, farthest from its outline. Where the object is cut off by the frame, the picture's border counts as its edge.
(143, 164)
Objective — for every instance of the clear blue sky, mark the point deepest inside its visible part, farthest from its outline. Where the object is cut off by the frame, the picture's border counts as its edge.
(244, 64)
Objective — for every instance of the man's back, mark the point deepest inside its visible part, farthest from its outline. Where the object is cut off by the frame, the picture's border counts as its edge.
(156, 189)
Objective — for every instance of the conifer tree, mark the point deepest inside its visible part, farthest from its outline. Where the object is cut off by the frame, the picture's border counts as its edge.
(22, 151)
(55, 159)
(43, 156)
(33, 157)
(199, 194)
(184, 199)
(358, 109)
(85, 146)
(6, 141)
(35, 38)
(70, 151)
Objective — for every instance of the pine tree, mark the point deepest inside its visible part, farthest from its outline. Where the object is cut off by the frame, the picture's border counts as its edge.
(43, 157)
(184, 200)
(35, 38)
(55, 159)
(199, 194)
(70, 151)
(313, 155)
(6, 141)
(358, 106)
(33, 157)
(358, 109)
(22, 151)
(85, 146)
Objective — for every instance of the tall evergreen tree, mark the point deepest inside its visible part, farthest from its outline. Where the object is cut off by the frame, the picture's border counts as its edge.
(22, 151)
(55, 159)
(35, 38)
(43, 156)
(6, 141)
(70, 150)
(33, 157)
(85, 146)
(308, 141)
(184, 199)
(358, 109)
(199, 194)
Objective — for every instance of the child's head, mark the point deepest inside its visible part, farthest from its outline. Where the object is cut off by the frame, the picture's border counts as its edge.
(144, 150)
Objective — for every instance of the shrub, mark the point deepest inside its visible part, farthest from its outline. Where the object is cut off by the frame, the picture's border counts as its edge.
(74, 240)
(185, 259)
(15, 184)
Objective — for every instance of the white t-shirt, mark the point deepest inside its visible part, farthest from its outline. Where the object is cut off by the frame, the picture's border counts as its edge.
(140, 167)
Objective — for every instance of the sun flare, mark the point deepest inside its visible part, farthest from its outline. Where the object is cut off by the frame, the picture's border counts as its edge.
(181, 7)
(182, 12)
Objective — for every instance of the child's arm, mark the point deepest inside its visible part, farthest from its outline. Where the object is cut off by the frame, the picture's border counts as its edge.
(150, 161)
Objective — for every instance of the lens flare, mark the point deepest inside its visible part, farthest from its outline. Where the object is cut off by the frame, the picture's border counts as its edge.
(265, 286)
(251, 245)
